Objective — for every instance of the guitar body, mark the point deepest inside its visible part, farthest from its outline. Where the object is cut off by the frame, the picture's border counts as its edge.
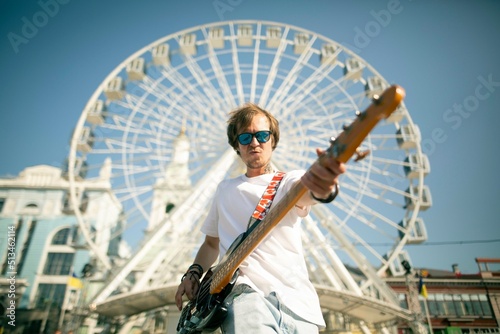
(207, 312)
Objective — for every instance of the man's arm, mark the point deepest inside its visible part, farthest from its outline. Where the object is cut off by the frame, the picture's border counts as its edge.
(320, 180)
(206, 256)
(208, 252)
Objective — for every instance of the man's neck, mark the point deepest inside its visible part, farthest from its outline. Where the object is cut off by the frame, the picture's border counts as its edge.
(257, 172)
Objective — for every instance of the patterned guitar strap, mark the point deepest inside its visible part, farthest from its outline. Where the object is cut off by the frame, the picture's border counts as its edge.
(265, 201)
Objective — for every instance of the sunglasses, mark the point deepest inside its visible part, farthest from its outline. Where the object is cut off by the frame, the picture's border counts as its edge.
(261, 136)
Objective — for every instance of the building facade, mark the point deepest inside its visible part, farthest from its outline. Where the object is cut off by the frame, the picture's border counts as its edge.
(452, 302)
(41, 241)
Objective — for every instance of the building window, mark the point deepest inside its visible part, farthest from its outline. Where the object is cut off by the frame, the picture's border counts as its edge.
(449, 305)
(31, 210)
(27, 245)
(169, 207)
(485, 305)
(61, 237)
(440, 306)
(50, 293)
(58, 264)
(2, 203)
(402, 301)
(467, 303)
(19, 227)
(66, 236)
(459, 305)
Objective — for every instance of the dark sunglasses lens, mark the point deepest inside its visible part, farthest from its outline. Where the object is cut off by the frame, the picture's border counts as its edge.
(245, 138)
(262, 136)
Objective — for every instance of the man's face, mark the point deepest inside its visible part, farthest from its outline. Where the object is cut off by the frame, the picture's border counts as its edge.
(255, 155)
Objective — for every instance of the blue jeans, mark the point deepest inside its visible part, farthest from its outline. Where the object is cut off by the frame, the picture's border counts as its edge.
(249, 312)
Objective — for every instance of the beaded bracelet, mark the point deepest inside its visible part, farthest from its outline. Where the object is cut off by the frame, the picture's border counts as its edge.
(196, 266)
(193, 273)
(194, 269)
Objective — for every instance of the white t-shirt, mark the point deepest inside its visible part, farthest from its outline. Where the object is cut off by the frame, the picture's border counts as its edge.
(277, 264)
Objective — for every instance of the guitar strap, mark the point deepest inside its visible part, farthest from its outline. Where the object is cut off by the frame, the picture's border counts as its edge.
(265, 201)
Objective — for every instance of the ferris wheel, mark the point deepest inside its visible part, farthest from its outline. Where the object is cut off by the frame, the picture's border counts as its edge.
(169, 102)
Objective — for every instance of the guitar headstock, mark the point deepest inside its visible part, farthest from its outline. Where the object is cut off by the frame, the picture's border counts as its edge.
(346, 144)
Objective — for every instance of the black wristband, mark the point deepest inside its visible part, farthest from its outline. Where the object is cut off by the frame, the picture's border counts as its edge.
(196, 266)
(330, 198)
(195, 273)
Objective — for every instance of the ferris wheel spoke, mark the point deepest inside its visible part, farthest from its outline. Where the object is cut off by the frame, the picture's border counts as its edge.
(219, 74)
(362, 248)
(255, 67)
(292, 77)
(339, 277)
(387, 174)
(327, 93)
(216, 101)
(321, 270)
(120, 124)
(189, 94)
(368, 216)
(182, 95)
(373, 222)
(128, 171)
(302, 92)
(386, 142)
(313, 120)
(330, 104)
(374, 189)
(273, 71)
(236, 66)
(129, 197)
(167, 96)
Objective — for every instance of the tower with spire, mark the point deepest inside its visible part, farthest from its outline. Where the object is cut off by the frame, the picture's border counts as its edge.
(175, 186)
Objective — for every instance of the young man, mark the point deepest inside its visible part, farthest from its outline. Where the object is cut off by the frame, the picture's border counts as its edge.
(273, 293)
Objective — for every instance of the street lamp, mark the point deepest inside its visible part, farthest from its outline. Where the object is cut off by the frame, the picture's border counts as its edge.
(413, 303)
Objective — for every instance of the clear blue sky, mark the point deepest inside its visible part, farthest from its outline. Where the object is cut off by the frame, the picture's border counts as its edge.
(444, 53)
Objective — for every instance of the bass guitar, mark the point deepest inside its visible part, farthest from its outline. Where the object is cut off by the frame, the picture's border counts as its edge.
(207, 311)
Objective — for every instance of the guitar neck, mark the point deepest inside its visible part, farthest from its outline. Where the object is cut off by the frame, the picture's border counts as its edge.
(342, 149)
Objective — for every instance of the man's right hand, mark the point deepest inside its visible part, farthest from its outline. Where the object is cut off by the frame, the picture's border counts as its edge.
(189, 286)
(206, 256)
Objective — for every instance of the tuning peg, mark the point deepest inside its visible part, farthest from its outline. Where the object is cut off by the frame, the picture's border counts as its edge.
(360, 115)
(360, 155)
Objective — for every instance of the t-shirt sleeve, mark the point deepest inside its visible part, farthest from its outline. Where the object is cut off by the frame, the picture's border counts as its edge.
(291, 178)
